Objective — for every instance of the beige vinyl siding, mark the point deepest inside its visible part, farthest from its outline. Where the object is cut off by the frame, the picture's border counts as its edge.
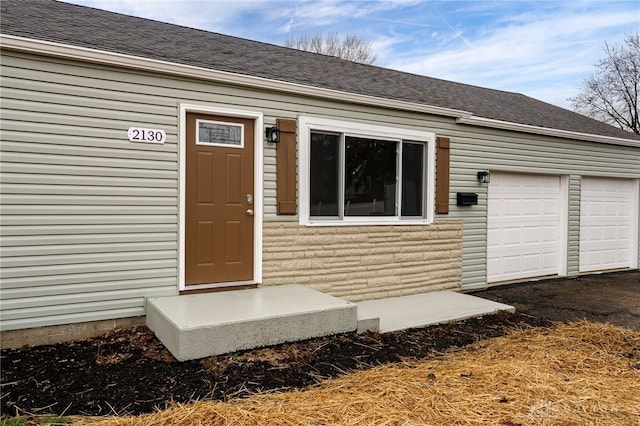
(270, 206)
(498, 150)
(90, 220)
(573, 246)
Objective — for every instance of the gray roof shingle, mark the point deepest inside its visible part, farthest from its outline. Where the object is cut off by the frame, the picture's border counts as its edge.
(97, 29)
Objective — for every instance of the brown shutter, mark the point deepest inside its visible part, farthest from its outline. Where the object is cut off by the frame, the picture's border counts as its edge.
(442, 175)
(286, 167)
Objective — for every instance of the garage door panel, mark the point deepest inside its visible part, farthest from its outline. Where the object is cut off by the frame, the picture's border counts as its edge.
(592, 209)
(511, 237)
(550, 208)
(531, 235)
(516, 238)
(523, 229)
(531, 208)
(515, 265)
(607, 257)
(624, 209)
(613, 209)
(511, 208)
(611, 233)
(591, 233)
(494, 264)
(511, 264)
(606, 217)
(530, 262)
(624, 232)
(549, 264)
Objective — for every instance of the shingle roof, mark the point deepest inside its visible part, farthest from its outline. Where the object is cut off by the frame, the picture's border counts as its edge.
(97, 29)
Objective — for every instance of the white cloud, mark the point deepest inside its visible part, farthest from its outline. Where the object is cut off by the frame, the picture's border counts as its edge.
(526, 52)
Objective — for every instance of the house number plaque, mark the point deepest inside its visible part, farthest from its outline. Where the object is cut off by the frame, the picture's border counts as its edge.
(140, 135)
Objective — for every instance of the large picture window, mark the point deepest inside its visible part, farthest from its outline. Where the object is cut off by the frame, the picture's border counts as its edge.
(354, 173)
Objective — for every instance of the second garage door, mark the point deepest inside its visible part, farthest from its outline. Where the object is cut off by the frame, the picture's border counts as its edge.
(607, 215)
(524, 226)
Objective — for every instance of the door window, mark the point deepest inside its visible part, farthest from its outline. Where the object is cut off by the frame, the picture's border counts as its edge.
(214, 133)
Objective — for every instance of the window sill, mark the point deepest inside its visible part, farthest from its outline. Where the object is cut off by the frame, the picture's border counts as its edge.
(395, 222)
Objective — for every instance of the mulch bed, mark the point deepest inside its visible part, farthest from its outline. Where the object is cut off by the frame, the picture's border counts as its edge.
(130, 372)
(580, 373)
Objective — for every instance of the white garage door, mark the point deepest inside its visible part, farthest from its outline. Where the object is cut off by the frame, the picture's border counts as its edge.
(524, 226)
(606, 223)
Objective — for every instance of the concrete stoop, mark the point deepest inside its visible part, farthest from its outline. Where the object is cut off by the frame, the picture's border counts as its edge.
(200, 325)
(422, 309)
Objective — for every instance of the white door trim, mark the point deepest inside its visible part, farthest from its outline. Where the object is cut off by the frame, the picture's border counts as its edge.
(257, 195)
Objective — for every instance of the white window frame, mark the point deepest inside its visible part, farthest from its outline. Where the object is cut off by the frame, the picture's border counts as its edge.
(307, 124)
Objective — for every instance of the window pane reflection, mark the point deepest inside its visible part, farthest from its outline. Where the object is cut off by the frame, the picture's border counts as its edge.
(324, 174)
(370, 177)
(412, 179)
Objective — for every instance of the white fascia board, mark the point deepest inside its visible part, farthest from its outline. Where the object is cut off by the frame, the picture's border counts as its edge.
(526, 128)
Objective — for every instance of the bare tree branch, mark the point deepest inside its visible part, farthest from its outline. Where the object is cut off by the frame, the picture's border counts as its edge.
(611, 94)
(351, 47)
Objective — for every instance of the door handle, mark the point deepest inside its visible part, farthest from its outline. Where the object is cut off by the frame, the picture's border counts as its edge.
(249, 212)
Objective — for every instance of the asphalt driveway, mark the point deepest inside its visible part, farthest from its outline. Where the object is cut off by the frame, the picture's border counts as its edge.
(610, 297)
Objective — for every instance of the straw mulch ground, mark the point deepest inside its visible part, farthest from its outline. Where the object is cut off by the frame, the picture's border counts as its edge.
(580, 373)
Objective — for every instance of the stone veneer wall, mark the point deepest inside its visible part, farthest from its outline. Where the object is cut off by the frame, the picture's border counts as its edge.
(364, 262)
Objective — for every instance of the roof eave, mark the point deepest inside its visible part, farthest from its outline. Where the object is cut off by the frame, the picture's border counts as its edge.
(130, 61)
(566, 134)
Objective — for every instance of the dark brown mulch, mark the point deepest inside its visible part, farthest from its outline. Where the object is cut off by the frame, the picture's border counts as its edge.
(130, 372)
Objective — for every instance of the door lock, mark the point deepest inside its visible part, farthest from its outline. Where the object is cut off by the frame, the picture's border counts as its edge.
(249, 199)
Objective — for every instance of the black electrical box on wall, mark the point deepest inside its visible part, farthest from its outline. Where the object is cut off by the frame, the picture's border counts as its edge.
(467, 199)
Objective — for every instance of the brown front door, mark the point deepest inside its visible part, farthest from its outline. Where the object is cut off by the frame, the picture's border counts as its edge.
(219, 199)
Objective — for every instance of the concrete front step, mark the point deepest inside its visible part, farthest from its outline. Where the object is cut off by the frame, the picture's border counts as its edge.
(420, 310)
(200, 325)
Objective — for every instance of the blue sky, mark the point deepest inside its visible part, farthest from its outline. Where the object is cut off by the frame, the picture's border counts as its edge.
(543, 49)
